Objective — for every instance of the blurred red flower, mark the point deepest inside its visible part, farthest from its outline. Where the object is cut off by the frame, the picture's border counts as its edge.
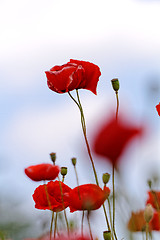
(54, 195)
(44, 171)
(113, 138)
(137, 222)
(73, 75)
(158, 109)
(154, 199)
(87, 197)
(73, 236)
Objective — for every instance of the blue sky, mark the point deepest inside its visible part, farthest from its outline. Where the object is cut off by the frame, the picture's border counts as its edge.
(121, 37)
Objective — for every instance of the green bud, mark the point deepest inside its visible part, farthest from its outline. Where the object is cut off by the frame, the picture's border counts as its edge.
(149, 183)
(63, 171)
(53, 157)
(107, 235)
(74, 161)
(115, 84)
(105, 178)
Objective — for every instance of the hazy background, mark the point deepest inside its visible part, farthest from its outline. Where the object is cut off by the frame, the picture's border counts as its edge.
(123, 39)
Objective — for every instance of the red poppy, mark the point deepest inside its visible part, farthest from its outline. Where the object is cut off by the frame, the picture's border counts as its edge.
(42, 171)
(154, 199)
(113, 138)
(73, 236)
(73, 75)
(158, 109)
(87, 197)
(54, 195)
(137, 222)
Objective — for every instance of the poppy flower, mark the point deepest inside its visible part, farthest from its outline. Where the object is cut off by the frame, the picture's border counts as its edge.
(54, 194)
(113, 138)
(154, 199)
(73, 75)
(137, 222)
(87, 197)
(73, 236)
(158, 109)
(42, 171)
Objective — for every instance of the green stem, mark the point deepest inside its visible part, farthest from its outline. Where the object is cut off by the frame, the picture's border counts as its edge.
(60, 185)
(85, 137)
(55, 225)
(146, 231)
(90, 231)
(51, 227)
(82, 224)
(113, 184)
(110, 216)
(77, 181)
(117, 99)
(88, 147)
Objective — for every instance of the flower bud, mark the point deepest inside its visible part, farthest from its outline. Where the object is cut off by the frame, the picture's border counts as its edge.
(105, 178)
(148, 213)
(115, 84)
(107, 235)
(74, 161)
(149, 183)
(63, 171)
(53, 157)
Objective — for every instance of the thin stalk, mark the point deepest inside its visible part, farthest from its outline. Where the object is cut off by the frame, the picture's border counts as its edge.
(147, 231)
(65, 216)
(50, 207)
(87, 145)
(110, 216)
(82, 223)
(55, 225)
(77, 181)
(113, 171)
(51, 227)
(85, 136)
(90, 231)
(117, 99)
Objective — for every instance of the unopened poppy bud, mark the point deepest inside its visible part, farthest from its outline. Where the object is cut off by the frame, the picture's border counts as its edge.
(105, 178)
(149, 183)
(53, 157)
(74, 161)
(107, 235)
(148, 213)
(115, 84)
(63, 171)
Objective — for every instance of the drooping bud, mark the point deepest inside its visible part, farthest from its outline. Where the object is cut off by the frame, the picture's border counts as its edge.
(74, 161)
(107, 235)
(148, 213)
(105, 178)
(53, 157)
(115, 84)
(63, 171)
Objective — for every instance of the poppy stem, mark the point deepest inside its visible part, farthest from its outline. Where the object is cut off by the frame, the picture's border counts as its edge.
(87, 144)
(77, 181)
(82, 223)
(55, 225)
(90, 231)
(51, 227)
(113, 171)
(50, 207)
(85, 136)
(147, 231)
(117, 109)
(110, 216)
(65, 216)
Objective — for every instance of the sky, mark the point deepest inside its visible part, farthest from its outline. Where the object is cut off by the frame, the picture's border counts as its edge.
(121, 37)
